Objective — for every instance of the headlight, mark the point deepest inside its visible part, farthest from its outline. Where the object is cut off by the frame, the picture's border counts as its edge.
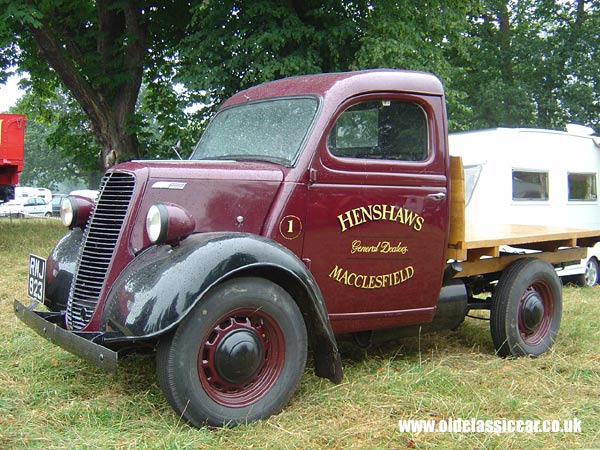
(157, 223)
(75, 211)
(67, 213)
(168, 223)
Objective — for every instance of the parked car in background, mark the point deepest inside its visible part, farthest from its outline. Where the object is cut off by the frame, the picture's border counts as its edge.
(37, 206)
(11, 208)
(88, 193)
(56, 199)
(31, 207)
(587, 272)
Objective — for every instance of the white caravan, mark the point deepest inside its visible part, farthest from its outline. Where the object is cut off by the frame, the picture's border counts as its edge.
(22, 193)
(534, 177)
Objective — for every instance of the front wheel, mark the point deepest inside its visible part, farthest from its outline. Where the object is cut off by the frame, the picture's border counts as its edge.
(237, 357)
(526, 308)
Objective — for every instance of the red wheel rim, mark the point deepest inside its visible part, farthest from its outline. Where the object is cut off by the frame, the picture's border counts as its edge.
(536, 311)
(241, 357)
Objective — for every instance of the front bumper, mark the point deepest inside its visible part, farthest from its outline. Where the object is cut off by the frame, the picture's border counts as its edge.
(46, 324)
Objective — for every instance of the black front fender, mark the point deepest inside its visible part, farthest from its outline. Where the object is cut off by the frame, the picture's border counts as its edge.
(60, 267)
(160, 287)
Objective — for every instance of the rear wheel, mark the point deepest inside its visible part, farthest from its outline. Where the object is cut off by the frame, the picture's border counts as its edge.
(237, 357)
(526, 308)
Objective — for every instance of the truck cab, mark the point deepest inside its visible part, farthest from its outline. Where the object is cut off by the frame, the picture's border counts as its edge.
(311, 207)
(364, 202)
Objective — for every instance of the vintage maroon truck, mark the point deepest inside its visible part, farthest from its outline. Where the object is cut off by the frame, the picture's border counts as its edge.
(312, 207)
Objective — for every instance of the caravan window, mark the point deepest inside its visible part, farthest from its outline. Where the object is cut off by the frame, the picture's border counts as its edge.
(528, 185)
(582, 187)
(471, 173)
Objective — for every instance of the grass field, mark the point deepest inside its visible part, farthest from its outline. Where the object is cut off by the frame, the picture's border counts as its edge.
(50, 399)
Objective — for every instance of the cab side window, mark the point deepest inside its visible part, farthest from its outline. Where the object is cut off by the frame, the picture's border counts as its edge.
(380, 129)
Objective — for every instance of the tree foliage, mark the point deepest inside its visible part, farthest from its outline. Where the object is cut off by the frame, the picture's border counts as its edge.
(44, 165)
(532, 63)
(59, 146)
(239, 43)
(99, 51)
(129, 70)
(427, 36)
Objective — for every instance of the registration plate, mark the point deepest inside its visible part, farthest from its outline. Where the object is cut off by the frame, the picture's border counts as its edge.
(36, 282)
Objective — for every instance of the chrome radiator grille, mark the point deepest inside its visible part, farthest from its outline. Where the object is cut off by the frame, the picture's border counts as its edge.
(99, 243)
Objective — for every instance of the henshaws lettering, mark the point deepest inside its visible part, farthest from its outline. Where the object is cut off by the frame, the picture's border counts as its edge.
(372, 213)
(386, 280)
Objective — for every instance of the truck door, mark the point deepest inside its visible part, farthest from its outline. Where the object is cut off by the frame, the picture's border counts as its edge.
(377, 219)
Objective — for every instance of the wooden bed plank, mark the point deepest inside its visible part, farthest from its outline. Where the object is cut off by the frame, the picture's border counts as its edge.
(483, 242)
(492, 265)
(482, 235)
(457, 201)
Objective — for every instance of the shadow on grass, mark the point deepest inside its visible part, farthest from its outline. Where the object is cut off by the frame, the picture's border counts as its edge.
(473, 336)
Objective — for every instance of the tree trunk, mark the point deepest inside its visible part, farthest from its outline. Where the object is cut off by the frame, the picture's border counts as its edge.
(505, 44)
(109, 106)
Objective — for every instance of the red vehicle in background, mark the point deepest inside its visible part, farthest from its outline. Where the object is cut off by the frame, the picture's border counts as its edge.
(12, 137)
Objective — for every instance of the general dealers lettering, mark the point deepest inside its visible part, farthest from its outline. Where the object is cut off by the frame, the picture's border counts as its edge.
(381, 247)
(372, 213)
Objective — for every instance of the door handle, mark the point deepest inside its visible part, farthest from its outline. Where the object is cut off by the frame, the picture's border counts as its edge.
(437, 196)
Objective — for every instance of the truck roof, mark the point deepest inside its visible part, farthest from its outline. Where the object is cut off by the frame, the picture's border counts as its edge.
(339, 86)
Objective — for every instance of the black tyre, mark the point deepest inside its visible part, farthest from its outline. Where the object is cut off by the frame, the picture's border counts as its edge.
(237, 357)
(590, 276)
(526, 308)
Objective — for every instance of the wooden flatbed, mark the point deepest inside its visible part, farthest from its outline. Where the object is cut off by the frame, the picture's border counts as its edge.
(478, 244)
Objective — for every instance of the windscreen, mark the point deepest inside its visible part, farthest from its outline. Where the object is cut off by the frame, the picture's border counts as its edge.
(272, 130)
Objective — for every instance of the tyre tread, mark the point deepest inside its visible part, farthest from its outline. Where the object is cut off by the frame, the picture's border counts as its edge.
(168, 362)
(501, 302)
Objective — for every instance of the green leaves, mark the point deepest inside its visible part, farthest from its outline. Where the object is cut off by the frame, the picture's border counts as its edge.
(58, 144)
(237, 44)
(148, 74)
(533, 63)
(20, 12)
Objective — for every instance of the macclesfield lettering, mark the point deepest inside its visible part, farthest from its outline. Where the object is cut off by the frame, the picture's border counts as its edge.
(381, 281)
